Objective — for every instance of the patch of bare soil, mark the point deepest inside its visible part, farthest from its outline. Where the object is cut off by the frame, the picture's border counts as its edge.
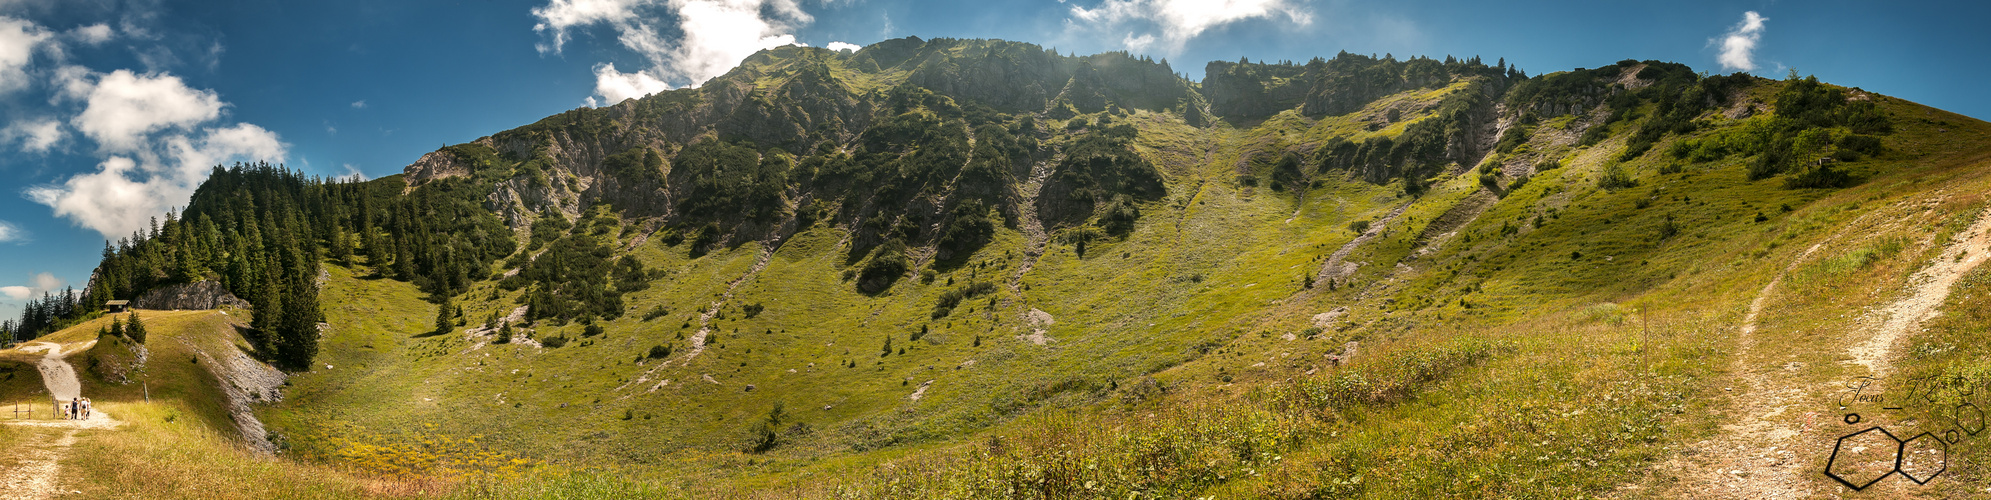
(1337, 266)
(1038, 320)
(244, 381)
(1447, 225)
(1029, 224)
(32, 475)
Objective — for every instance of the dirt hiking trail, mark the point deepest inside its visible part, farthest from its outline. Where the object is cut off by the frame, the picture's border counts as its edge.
(1768, 454)
(1930, 286)
(37, 464)
(1751, 458)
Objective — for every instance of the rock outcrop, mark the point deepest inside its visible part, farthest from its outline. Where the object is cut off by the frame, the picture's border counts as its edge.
(436, 165)
(206, 294)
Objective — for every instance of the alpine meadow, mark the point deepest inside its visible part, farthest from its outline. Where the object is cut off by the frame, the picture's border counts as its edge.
(978, 268)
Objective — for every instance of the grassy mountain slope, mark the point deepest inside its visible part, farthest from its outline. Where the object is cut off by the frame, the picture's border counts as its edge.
(1348, 278)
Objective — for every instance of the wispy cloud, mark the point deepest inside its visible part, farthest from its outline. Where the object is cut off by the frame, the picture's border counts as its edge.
(95, 34)
(359, 104)
(35, 135)
(1738, 47)
(1166, 25)
(685, 42)
(10, 233)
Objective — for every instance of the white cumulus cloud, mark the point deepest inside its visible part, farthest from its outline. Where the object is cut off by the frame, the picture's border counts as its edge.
(46, 281)
(34, 135)
(190, 159)
(123, 194)
(107, 200)
(685, 42)
(1738, 47)
(156, 137)
(559, 15)
(40, 282)
(614, 86)
(125, 107)
(1177, 21)
(37, 284)
(843, 46)
(18, 39)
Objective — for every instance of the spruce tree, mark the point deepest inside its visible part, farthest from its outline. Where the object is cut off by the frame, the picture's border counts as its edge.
(297, 337)
(445, 320)
(185, 268)
(342, 247)
(135, 329)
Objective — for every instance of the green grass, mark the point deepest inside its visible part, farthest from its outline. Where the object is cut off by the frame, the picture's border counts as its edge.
(1572, 403)
(1559, 344)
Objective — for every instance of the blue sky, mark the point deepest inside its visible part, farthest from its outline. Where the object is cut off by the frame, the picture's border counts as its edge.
(111, 111)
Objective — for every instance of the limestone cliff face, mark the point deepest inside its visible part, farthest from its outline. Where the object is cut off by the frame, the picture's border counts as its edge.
(1252, 89)
(206, 294)
(434, 166)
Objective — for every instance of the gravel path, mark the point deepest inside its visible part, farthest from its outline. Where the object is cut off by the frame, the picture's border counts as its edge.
(37, 464)
(1767, 453)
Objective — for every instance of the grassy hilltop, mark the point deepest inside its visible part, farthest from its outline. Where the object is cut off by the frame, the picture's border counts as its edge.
(969, 269)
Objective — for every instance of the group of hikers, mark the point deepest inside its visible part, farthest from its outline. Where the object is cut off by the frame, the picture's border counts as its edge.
(75, 409)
